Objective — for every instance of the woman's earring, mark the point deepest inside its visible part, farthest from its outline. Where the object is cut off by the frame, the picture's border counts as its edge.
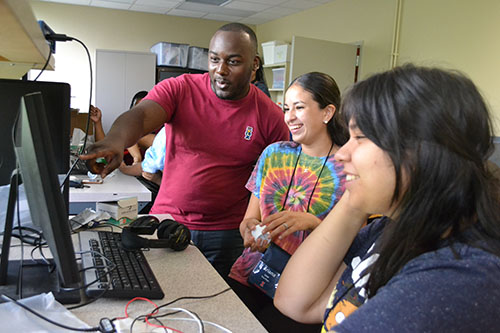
(325, 121)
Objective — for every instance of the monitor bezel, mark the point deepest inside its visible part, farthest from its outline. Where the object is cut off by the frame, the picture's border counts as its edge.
(35, 155)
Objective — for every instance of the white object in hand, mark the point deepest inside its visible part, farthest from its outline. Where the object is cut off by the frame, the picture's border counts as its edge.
(257, 233)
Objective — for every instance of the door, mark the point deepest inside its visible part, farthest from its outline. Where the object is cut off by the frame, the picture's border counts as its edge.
(119, 75)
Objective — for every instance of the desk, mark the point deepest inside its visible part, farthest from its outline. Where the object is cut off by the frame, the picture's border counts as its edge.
(184, 273)
(114, 186)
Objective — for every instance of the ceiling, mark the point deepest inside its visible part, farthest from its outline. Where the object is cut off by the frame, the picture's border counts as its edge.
(243, 11)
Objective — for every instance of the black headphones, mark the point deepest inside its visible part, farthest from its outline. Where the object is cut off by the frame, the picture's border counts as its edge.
(170, 233)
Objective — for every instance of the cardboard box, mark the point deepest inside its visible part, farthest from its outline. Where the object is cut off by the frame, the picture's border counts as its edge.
(79, 120)
(125, 207)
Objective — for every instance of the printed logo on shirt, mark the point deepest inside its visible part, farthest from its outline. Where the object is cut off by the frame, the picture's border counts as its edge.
(352, 300)
(248, 133)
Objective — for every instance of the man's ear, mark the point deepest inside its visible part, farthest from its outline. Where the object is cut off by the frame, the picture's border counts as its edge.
(255, 64)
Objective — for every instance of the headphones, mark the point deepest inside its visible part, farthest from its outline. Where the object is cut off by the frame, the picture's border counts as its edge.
(170, 233)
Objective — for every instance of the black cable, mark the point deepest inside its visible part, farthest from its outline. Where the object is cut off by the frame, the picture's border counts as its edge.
(69, 173)
(44, 66)
(100, 275)
(171, 313)
(194, 297)
(91, 300)
(21, 262)
(28, 238)
(64, 38)
(90, 93)
(92, 329)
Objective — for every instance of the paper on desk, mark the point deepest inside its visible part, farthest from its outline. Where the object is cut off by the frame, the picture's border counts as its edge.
(78, 137)
(87, 216)
(13, 318)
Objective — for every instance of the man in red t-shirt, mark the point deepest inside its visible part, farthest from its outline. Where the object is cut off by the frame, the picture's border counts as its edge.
(216, 125)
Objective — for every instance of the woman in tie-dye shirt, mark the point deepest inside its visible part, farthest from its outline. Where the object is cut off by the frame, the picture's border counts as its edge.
(294, 185)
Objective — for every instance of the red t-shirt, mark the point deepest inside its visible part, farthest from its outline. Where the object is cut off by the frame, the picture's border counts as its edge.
(211, 147)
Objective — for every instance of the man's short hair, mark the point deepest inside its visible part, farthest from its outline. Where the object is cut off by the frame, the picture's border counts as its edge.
(239, 27)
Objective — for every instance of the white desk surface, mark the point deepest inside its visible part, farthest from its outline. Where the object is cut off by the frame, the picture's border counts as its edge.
(115, 186)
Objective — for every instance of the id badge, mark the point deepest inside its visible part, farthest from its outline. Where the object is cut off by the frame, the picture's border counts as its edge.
(265, 278)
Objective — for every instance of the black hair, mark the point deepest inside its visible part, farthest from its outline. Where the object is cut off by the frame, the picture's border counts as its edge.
(436, 128)
(325, 91)
(239, 27)
(139, 95)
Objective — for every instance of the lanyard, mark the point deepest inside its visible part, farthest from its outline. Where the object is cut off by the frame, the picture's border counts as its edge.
(317, 180)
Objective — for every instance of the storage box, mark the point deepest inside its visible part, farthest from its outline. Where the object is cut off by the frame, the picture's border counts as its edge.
(281, 53)
(278, 78)
(269, 51)
(198, 58)
(125, 207)
(171, 54)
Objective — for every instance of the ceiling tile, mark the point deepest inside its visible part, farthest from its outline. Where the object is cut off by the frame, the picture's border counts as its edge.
(219, 17)
(298, 4)
(149, 9)
(185, 13)
(71, 2)
(245, 11)
(110, 4)
(245, 5)
(158, 3)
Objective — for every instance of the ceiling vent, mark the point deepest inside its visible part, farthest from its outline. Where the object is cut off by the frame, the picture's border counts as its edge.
(210, 2)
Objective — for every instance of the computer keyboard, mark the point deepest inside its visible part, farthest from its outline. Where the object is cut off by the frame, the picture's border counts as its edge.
(127, 274)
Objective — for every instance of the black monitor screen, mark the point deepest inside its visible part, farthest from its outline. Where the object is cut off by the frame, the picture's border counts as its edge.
(56, 99)
(35, 154)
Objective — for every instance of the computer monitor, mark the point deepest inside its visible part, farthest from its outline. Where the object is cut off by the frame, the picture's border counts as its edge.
(36, 158)
(56, 99)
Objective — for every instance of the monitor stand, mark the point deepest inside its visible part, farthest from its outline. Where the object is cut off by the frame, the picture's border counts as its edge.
(37, 277)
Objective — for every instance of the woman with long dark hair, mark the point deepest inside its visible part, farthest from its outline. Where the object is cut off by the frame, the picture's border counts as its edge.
(419, 143)
(293, 187)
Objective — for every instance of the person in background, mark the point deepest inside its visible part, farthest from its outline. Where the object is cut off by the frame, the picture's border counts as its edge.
(216, 126)
(133, 153)
(294, 185)
(259, 79)
(150, 171)
(418, 149)
(151, 167)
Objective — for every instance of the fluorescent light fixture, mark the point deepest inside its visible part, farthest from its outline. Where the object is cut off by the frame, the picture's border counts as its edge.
(211, 2)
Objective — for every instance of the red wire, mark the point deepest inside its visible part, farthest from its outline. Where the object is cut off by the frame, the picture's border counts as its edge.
(149, 314)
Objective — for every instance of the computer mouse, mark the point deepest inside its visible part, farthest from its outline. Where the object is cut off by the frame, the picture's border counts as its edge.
(145, 224)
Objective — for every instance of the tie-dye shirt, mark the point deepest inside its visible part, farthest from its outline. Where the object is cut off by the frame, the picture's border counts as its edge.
(269, 182)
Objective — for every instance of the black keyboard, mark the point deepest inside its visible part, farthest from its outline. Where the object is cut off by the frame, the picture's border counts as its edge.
(122, 273)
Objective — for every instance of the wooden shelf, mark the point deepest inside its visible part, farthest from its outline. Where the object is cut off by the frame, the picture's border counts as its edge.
(23, 45)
